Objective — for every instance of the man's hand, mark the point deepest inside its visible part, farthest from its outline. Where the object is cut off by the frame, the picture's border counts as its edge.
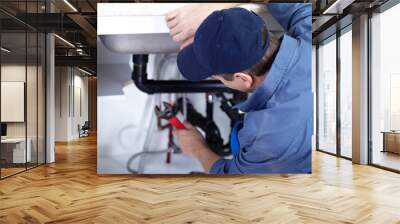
(183, 22)
(190, 139)
(192, 143)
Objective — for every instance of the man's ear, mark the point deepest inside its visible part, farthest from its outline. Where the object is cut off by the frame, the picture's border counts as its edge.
(246, 79)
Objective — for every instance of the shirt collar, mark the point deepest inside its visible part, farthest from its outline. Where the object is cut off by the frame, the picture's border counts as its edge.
(281, 63)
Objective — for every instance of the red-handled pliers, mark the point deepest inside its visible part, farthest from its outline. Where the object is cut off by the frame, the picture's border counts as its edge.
(169, 113)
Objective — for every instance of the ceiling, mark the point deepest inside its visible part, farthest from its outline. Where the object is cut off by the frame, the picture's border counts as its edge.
(76, 21)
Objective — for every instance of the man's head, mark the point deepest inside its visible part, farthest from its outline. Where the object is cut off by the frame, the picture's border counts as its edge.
(233, 46)
(249, 79)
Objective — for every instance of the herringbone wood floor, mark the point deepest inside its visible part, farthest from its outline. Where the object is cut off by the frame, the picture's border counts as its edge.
(70, 191)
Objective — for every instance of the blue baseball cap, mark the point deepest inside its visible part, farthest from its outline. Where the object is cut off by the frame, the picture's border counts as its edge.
(227, 41)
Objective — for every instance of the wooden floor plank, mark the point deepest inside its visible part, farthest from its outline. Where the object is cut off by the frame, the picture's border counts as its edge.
(70, 191)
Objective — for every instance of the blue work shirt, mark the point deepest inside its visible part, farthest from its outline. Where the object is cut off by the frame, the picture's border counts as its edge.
(278, 124)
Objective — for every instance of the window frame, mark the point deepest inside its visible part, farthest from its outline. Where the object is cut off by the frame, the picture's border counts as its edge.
(27, 29)
(378, 10)
(334, 37)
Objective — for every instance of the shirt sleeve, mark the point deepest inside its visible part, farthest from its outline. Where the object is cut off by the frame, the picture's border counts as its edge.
(296, 19)
(225, 166)
(220, 166)
(258, 158)
(230, 166)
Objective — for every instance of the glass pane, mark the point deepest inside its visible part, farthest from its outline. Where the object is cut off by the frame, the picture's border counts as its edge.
(31, 100)
(327, 97)
(13, 88)
(346, 93)
(41, 98)
(32, 89)
(386, 89)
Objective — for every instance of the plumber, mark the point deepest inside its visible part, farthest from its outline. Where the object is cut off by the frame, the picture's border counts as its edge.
(234, 46)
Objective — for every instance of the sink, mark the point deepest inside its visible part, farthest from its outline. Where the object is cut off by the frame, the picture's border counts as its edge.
(140, 28)
(140, 43)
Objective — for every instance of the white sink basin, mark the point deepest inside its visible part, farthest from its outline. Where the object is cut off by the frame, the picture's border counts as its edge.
(140, 28)
(137, 28)
(140, 43)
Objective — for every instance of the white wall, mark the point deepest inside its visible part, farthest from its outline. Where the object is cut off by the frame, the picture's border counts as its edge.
(80, 109)
(14, 72)
(12, 101)
(61, 103)
(67, 115)
(18, 73)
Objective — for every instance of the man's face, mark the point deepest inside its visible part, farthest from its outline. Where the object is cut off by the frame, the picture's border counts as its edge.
(241, 81)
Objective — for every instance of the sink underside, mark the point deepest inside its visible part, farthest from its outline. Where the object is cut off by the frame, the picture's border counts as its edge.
(140, 43)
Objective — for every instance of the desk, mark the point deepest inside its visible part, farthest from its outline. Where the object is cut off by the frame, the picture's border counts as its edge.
(15, 148)
(391, 141)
